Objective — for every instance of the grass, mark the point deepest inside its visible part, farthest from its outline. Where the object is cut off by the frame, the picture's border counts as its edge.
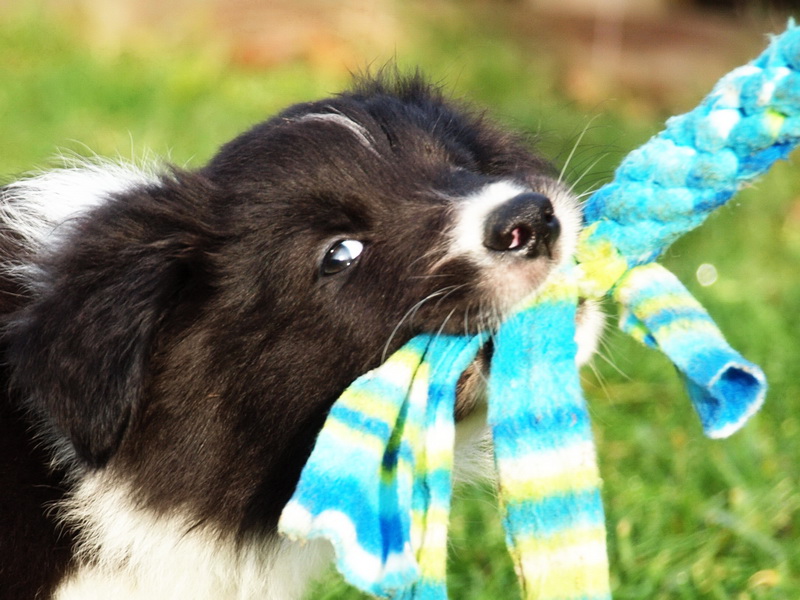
(688, 518)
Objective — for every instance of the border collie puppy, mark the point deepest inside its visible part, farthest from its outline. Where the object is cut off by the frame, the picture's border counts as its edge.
(173, 339)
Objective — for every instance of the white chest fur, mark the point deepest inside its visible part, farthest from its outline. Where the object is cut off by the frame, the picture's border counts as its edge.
(126, 553)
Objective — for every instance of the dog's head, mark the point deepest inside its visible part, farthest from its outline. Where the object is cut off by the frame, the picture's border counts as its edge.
(190, 330)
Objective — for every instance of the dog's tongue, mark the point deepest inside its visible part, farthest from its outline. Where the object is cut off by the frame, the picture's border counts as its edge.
(516, 239)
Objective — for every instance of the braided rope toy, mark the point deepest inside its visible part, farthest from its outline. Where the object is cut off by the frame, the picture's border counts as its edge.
(378, 482)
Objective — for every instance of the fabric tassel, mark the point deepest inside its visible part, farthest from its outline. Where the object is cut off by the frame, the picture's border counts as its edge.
(386, 448)
(658, 310)
(549, 483)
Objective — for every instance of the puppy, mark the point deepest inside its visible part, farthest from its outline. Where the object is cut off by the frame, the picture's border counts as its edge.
(174, 339)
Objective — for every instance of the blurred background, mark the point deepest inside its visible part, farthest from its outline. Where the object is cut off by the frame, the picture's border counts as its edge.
(688, 518)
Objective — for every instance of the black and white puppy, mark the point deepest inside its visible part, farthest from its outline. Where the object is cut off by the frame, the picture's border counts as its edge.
(174, 339)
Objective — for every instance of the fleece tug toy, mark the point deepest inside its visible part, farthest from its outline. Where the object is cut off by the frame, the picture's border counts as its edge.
(378, 482)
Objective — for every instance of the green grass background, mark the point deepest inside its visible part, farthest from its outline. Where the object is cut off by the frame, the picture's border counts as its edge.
(688, 518)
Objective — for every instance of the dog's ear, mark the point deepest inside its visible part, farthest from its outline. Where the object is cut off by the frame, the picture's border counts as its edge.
(80, 351)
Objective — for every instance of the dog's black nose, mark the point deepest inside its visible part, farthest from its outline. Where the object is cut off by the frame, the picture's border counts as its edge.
(525, 224)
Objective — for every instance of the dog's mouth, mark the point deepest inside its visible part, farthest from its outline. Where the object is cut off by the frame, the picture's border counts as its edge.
(471, 388)
(501, 244)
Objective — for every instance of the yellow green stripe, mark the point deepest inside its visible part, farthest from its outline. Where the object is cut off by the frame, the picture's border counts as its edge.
(521, 488)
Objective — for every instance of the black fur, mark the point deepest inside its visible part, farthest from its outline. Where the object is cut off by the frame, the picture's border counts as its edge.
(184, 337)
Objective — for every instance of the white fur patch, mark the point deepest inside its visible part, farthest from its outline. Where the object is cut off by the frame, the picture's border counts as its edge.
(507, 278)
(467, 237)
(127, 553)
(589, 324)
(39, 208)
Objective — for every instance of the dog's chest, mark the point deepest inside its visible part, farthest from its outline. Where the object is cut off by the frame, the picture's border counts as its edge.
(129, 554)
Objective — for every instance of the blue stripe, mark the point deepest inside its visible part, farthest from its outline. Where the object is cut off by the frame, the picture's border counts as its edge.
(562, 426)
(449, 355)
(554, 515)
(667, 316)
(362, 422)
(395, 532)
(522, 339)
(540, 391)
(380, 528)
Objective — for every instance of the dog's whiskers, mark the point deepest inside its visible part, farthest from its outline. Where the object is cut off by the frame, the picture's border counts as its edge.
(575, 183)
(588, 192)
(444, 323)
(441, 294)
(574, 149)
(432, 276)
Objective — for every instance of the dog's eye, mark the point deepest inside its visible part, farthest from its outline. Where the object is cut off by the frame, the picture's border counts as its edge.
(340, 256)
